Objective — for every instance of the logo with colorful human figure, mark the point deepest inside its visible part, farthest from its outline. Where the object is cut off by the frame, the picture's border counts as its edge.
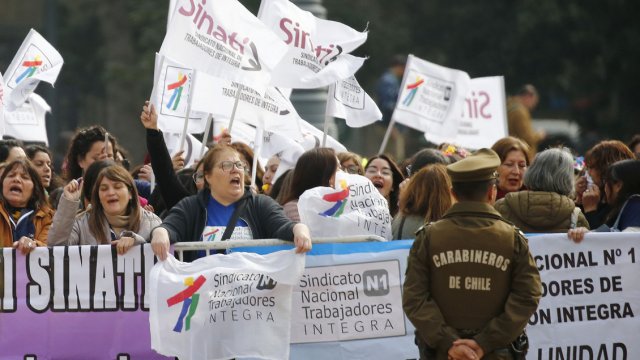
(340, 199)
(413, 89)
(189, 299)
(177, 91)
(30, 68)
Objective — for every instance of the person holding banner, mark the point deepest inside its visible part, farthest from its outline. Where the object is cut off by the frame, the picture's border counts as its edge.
(545, 207)
(225, 209)
(26, 215)
(471, 283)
(115, 216)
(514, 160)
(386, 177)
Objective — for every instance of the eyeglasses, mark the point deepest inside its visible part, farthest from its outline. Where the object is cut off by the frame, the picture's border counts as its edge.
(373, 171)
(352, 169)
(228, 165)
(197, 177)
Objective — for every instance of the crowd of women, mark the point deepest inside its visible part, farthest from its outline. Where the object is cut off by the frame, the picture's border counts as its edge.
(97, 198)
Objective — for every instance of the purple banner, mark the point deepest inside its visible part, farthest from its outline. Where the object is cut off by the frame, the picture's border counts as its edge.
(75, 302)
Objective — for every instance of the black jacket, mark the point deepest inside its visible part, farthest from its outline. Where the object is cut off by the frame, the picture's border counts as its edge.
(186, 221)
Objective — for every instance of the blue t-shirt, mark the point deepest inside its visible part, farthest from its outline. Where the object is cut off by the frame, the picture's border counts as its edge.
(218, 217)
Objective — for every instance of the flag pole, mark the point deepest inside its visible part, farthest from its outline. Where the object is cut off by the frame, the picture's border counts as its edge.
(256, 151)
(235, 106)
(326, 115)
(207, 132)
(183, 136)
(386, 136)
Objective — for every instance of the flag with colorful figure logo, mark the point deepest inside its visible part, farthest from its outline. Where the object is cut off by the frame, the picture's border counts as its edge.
(348, 100)
(353, 207)
(318, 49)
(35, 61)
(431, 97)
(27, 122)
(224, 39)
(171, 94)
(224, 297)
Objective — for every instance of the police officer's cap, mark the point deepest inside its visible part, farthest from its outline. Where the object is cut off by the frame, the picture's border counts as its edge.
(480, 166)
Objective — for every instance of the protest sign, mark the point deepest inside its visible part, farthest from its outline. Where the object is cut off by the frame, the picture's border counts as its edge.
(224, 39)
(431, 98)
(348, 100)
(35, 61)
(318, 49)
(484, 116)
(590, 303)
(224, 297)
(172, 92)
(354, 207)
(27, 122)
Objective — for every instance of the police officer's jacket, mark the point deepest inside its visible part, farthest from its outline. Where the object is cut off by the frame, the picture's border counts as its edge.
(470, 275)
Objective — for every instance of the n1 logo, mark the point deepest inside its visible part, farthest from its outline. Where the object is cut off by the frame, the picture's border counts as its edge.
(376, 282)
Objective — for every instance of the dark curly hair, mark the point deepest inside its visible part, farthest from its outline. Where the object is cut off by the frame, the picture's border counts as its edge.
(79, 147)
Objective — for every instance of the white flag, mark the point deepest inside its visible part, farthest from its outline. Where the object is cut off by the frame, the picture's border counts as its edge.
(354, 207)
(35, 61)
(431, 98)
(318, 50)
(224, 39)
(348, 100)
(192, 147)
(171, 94)
(224, 306)
(27, 122)
(484, 115)
(313, 138)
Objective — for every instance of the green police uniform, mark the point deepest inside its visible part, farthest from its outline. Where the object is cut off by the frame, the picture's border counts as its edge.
(470, 275)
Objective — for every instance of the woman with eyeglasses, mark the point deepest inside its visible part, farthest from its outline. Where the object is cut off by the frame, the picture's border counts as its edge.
(622, 193)
(225, 209)
(386, 177)
(351, 163)
(514, 160)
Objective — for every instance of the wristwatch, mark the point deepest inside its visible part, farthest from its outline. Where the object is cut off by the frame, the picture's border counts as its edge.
(127, 233)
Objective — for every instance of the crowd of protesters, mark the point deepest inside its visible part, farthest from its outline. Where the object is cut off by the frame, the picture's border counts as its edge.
(99, 201)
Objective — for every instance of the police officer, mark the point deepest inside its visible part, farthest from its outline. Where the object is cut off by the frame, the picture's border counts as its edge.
(471, 283)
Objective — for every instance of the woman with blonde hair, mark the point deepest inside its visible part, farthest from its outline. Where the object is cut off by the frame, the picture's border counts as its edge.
(425, 199)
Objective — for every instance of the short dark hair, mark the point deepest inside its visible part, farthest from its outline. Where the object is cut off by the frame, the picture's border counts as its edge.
(6, 146)
(472, 190)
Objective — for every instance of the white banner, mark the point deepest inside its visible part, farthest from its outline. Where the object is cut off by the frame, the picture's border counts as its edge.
(591, 297)
(354, 207)
(312, 138)
(171, 94)
(35, 61)
(224, 39)
(27, 122)
(484, 115)
(192, 147)
(348, 100)
(431, 98)
(2, 97)
(318, 49)
(224, 306)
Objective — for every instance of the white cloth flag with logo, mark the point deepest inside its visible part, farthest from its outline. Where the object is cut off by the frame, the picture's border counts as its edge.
(172, 91)
(354, 207)
(484, 115)
(27, 122)
(224, 306)
(224, 39)
(348, 100)
(2, 98)
(192, 147)
(35, 61)
(318, 50)
(431, 97)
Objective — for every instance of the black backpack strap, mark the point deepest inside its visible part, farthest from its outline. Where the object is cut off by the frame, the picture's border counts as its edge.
(231, 225)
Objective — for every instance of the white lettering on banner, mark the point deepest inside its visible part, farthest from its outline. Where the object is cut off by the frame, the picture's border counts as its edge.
(348, 302)
(79, 278)
(593, 284)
